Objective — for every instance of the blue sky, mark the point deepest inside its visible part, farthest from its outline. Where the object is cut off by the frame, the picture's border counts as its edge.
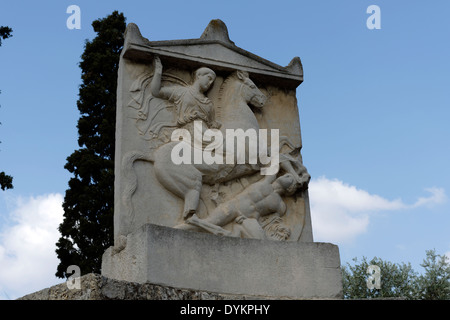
(374, 111)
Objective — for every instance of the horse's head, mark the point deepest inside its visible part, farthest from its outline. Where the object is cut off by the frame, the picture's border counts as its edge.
(250, 91)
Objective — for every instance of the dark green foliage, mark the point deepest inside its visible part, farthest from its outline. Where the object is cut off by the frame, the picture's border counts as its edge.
(399, 280)
(87, 228)
(434, 284)
(5, 33)
(5, 180)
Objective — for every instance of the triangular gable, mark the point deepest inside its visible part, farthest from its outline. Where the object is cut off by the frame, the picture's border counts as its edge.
(213, 49)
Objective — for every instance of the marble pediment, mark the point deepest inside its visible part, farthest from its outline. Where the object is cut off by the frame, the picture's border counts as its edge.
(213, 49)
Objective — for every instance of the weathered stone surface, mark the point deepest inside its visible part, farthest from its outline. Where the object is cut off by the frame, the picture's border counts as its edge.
(238, 223)
(90, 290)
(201, 261)
(97, 287)
(197, 229)
(165, 86)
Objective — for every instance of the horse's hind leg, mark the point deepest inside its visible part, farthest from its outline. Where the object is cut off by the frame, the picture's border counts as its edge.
(191, 199)
(185, 181)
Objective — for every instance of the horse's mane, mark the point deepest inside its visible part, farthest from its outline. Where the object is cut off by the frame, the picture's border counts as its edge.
(222, 90)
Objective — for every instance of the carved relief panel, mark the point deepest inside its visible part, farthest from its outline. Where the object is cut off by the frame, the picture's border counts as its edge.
(208, 140)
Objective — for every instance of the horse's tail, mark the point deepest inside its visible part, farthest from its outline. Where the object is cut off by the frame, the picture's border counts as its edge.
(130, 181)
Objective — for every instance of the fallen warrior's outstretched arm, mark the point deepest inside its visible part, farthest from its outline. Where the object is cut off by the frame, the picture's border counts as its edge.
(205, 225)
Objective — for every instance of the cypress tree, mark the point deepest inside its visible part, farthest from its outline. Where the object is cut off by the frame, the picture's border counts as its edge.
(5, 33)
(5, 180)
(87, 228)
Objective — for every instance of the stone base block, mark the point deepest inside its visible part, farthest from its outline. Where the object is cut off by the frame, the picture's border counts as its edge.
(200, 261)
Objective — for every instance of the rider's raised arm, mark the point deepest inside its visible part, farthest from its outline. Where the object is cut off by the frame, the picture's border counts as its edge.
(155, 85)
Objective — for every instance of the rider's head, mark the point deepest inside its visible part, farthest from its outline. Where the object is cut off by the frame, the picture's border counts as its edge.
(205, 77)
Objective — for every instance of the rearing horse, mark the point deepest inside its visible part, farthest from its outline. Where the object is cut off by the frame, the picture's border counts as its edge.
(186, 180)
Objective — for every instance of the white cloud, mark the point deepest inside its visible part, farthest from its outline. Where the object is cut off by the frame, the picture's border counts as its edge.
(437, 197)
(27, 245)
(340, 212)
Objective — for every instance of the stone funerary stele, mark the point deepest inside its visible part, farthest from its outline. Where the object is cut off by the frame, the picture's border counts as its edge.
(210, 188)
